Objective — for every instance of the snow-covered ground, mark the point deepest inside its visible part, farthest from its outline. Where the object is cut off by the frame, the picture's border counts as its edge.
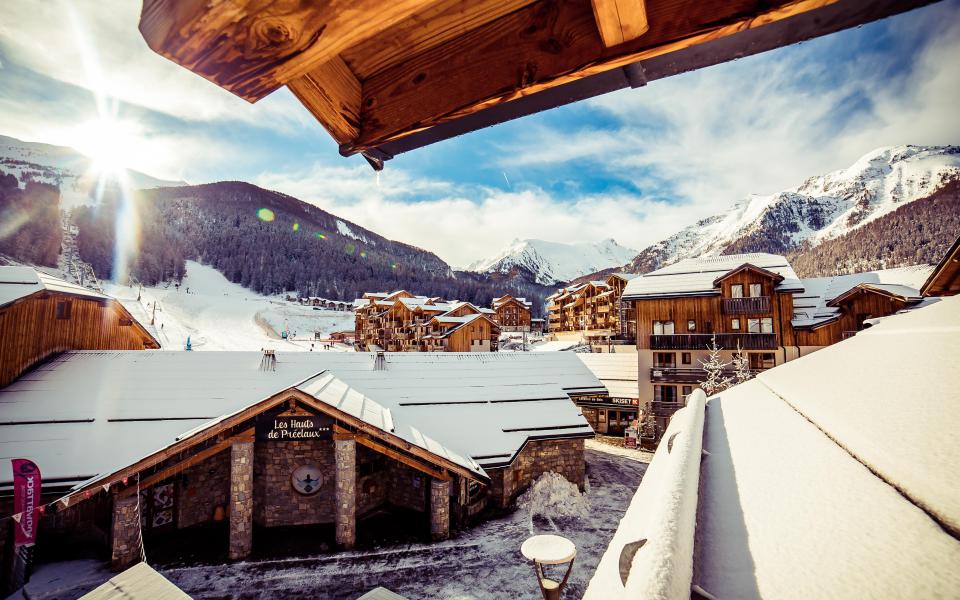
(217, 314)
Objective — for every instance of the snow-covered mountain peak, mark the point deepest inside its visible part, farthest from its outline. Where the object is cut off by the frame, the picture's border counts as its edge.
(555, 262)
(821, 208)
(63, 167)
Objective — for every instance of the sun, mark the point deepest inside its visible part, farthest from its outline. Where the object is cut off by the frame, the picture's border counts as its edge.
(109, 142)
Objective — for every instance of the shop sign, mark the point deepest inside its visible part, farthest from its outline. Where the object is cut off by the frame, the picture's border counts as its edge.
(630, 437)
(307, 479)
(289, 428)
(625, 401)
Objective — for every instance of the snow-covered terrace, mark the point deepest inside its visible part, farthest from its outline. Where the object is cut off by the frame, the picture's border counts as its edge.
(85, 414)
(834, 475)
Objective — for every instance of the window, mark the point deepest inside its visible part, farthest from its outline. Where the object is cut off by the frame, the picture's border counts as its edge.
(736, 290)
(691, 325)
(63, 309)
(756, 290)
(687, 390)
(663, 328)
(762, 360)
(664, 393)
(764, 325)
(735, 324)
(665, 359)
(685, 358)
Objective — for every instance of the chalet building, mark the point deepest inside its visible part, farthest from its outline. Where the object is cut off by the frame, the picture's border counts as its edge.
(402, 322)
(613, 412)
(595, 313)
(512, 314)
(538, 326)
(41, 316)
(754, 302)
(231, 449)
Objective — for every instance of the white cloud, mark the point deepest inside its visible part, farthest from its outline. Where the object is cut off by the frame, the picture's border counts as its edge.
(95, 44)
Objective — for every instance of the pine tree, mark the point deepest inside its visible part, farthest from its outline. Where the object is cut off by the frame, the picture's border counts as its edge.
(741, 366)
(714, 366)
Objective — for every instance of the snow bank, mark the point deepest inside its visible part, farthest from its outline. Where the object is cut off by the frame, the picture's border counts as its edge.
(663, 512)
(552, 496)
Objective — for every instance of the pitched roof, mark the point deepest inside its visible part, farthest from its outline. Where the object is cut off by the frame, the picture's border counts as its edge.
(697, 276)
(84, 414)
(139, 581)
(618, 372)
(812, 307)
(945, 277)
(20, 282)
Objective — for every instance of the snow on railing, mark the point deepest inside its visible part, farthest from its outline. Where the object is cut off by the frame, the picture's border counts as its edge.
(651, 553)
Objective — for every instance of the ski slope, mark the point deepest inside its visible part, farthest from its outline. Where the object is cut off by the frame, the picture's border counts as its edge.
(217, 314)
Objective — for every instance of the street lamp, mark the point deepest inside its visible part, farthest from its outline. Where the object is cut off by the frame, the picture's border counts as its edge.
(549, 550)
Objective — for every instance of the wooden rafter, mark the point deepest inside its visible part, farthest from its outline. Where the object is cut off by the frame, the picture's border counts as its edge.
(620, 21)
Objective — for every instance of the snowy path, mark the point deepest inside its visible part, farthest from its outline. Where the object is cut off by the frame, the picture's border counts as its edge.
(482, 563)
(217, 314)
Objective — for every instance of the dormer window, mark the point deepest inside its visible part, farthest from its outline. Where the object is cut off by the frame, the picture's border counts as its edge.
(736, 290)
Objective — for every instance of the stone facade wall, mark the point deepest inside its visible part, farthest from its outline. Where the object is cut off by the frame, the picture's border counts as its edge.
(345, 455)
(277, 503)
(408, 487)
(537, 457)
(241, 499)
(439, 509)
(203, 488)
(125, 533)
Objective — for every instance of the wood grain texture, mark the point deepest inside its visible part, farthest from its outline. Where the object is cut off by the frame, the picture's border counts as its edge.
(544, 45)
(438, 24)
(30, 331)
(331, 92)
(252, 47)
(620, 21)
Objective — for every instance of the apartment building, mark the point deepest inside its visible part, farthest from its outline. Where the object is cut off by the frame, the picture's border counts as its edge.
(752, 302)
(402, 322)
(512, 314)
(594, 312)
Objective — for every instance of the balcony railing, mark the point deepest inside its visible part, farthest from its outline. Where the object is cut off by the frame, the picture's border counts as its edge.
(664, 409)
(686, 375)
(726, 341)
(746, 306)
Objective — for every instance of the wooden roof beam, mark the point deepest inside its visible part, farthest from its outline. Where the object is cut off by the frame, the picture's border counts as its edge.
(252, 47)
(620, 21)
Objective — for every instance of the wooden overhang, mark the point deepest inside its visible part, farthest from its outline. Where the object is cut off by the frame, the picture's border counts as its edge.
(945, 278)
(388, 77)
(776, 277)
(206, 441)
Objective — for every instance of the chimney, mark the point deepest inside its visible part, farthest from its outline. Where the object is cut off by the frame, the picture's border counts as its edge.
(379, 361)
(268, 362)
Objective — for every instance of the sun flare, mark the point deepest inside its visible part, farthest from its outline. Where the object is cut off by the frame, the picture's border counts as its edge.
(110, 143)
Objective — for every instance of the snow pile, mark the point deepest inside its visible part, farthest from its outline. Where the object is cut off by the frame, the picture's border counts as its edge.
(658, 528)
(553, 497)
(555, 262)
(344, 230)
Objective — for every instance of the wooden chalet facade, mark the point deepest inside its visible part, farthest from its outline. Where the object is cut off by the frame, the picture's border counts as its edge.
(754, 302)
(945, 279)
(41, 316)
(511, 314)
(402, 322)
(593, 311)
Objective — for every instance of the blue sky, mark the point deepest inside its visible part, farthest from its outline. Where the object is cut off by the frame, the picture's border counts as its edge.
(634, 165)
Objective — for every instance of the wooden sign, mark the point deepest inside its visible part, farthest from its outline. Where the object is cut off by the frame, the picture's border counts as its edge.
(290, 428)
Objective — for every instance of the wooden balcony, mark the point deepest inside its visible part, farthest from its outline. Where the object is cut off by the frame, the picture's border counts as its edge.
(746, 306)
(686, 374)
(664, 409)
(726, 341)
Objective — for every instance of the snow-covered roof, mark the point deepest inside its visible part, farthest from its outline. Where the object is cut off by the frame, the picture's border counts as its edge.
(88, 413)
(863, 469)
(695, 276)
(18, 282)
(618, 371)
(811, 307)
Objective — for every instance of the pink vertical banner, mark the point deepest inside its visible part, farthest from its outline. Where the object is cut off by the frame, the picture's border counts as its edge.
(26, 499)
